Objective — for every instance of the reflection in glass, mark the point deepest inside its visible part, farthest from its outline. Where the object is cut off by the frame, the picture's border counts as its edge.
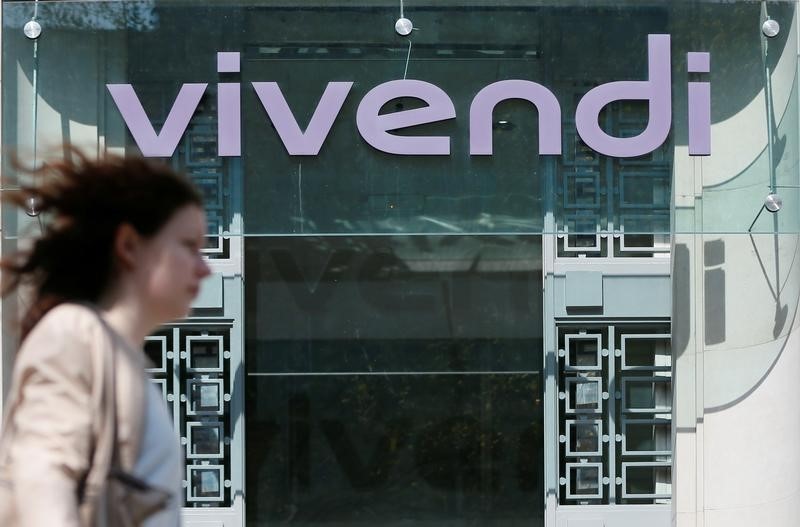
(584, 480)
(205, 353)
(648, 436)
(582, 231)
(584, 352)
(413, 448)
(208, 397)
(645, 231)
(647, 352)
(584, 437)
(644, 189)
(583, 190)
(584, 393)
(205, 439)
(205, 483)
(642, 395)
(648, 480)
(205, 397)
(395, 380)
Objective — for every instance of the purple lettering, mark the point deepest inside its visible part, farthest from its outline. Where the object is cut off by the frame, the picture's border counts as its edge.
(374, 127)
(164, 143)
(480, 115)
(699, 106)
(297, 142)
(229, 62)
(229, 126)
(656, 90)
(229, 107)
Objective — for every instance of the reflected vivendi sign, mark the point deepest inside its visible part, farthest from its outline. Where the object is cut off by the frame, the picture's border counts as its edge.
(376, 128)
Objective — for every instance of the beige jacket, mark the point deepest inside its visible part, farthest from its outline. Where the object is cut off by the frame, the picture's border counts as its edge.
(57, 407)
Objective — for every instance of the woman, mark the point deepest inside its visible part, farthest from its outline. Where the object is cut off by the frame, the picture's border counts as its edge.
(120, 254)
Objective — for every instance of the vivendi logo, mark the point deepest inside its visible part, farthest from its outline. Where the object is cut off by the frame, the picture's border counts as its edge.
(375, 128)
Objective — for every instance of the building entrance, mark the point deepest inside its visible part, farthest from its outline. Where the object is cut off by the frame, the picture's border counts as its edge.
(394, 379)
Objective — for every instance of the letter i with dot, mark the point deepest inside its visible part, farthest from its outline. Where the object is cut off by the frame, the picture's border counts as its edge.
(229, 120)
(699, 105)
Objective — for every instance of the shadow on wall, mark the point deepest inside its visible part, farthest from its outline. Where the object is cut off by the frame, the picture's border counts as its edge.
(714, 291)
(749, 306)
(781, 311)
(681, 287)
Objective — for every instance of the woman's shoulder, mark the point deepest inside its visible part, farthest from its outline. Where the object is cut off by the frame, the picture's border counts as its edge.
(66, 324)
(72, 317)
(71, 310)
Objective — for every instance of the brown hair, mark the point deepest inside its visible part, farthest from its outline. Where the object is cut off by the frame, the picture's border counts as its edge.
(84, 202)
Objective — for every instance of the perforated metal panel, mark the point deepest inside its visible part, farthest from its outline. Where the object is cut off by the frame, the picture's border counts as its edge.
(194, 369)
(615, 395)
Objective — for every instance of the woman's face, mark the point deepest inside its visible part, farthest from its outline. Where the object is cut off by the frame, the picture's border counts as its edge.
(170, 266)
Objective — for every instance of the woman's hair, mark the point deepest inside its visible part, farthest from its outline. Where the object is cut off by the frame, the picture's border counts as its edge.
(83, 203)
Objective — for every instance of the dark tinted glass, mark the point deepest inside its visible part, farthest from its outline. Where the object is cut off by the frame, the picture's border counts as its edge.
(394, 379)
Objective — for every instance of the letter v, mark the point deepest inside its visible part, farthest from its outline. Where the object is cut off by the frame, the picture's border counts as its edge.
(297, 142)
(154, 144)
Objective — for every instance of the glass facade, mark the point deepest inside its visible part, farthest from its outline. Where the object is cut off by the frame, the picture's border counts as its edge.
(447, 288)
(394, 379)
